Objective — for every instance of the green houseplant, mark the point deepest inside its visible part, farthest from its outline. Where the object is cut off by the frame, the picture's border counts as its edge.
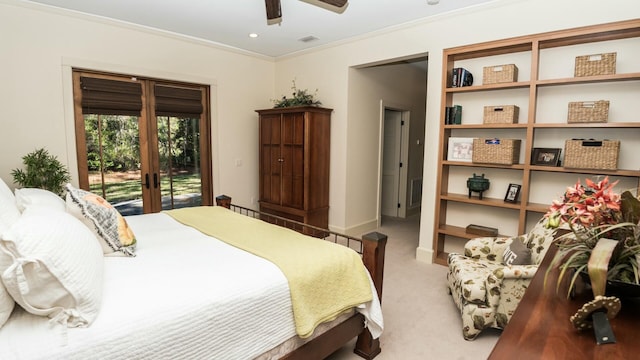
(299, 98)
(42, 170)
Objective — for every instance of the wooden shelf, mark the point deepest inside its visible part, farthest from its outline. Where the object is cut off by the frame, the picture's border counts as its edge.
(463, 198)
(460, 232)
(472, 164)
(486, 126)
(529, 127)
(609, 125)
(620, 172)
(502, 86)
(540, 208)
(588, 79)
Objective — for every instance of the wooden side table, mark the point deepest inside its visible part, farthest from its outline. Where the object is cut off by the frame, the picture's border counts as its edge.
(540, 327)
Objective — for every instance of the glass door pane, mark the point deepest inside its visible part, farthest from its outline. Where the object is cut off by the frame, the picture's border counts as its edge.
(179, 161)
(113, 160)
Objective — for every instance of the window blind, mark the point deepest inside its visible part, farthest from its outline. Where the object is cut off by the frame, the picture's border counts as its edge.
(110, 97)
(178, 101)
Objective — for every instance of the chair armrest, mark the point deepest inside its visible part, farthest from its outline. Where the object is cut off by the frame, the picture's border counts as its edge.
(516, 272)
(487, 248)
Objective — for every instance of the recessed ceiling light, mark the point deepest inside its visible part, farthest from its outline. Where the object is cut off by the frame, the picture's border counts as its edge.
(253, 35)
(433, 2)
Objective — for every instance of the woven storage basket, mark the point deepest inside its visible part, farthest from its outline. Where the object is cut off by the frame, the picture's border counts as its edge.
(596, 64)
(499, 74)
(591, 154)
(496, 151)
(503, 114)
(588, 111)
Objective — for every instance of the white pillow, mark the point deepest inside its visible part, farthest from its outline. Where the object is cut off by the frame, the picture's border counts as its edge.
(30, 197)
(115, 235)
(9, 212)
(52, 265)
(6, 304)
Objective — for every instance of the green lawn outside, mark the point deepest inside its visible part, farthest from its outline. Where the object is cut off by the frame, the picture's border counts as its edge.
(125, 190)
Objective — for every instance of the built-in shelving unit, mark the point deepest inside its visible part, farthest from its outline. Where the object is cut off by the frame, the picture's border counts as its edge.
(543, 89)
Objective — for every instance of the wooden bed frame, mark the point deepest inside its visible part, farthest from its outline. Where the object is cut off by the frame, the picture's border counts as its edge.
(372, 249)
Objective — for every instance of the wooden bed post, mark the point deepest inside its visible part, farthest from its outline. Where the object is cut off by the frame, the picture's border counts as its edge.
(373, 257)
(223, 200)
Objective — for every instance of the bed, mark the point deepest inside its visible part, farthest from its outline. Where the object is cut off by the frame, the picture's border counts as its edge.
(177, 290)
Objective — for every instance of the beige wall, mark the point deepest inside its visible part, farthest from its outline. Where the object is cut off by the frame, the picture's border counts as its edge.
(326, 69)
(39, 47)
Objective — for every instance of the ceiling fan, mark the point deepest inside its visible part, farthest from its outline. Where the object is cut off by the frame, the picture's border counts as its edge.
(274, 13)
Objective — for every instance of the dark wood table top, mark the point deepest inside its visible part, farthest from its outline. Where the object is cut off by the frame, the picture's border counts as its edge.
(540, 327)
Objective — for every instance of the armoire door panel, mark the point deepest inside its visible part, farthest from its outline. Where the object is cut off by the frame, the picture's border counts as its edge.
(293, 129)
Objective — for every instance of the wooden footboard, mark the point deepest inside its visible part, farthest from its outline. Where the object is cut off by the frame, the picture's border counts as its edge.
(372, 249)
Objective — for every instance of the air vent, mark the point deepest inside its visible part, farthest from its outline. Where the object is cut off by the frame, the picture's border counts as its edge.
(307, 39)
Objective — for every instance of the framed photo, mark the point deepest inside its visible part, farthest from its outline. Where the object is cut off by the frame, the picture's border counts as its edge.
(513, 191)
(460, 149)
(546, 156)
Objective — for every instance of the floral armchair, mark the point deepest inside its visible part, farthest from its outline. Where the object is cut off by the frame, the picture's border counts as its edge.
(484, 288)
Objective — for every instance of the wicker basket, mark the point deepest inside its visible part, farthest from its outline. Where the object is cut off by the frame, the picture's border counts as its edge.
(596, 64)
(499, 74)
(496, 151)
(591, 154)
(588, 111)
(503, 114)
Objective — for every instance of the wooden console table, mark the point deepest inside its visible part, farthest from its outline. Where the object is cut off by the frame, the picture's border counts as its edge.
(540, 327)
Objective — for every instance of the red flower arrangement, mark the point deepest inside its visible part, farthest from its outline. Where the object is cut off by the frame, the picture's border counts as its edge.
(589, 207)
(605, 234)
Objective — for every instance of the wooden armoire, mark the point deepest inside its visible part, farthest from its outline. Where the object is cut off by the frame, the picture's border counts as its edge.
(294, 163)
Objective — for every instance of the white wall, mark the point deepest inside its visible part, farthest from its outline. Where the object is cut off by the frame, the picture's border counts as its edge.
(39, 46)
(326, 69)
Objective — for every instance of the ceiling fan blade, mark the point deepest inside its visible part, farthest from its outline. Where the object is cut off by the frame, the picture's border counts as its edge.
(337, 6)
(337, 3)
(274, 13)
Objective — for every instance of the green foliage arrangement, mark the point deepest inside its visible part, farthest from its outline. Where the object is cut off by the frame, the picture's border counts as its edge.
(300, 98)
(42, 170)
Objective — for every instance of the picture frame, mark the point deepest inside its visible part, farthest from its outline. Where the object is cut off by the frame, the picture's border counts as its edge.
(546, 156)
(513, 191)
(460, 149)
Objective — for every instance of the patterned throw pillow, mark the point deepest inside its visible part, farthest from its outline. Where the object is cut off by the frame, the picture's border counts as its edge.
(516, 254)
(104, 220)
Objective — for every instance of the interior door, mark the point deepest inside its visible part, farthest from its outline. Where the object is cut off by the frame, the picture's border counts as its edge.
(391, 161)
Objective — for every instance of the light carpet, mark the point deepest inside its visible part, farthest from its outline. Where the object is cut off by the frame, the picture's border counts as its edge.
(421, 321)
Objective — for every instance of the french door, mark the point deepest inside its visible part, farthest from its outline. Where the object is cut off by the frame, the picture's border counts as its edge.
(143, 144)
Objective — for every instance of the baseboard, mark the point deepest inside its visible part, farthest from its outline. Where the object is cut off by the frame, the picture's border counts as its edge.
(414, 210)
(362, 228)
(424, 255)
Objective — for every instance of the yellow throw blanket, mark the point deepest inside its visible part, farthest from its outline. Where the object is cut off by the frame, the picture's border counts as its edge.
(325, 279)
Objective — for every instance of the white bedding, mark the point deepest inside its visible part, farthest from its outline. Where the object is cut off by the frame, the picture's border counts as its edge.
(175, 300)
